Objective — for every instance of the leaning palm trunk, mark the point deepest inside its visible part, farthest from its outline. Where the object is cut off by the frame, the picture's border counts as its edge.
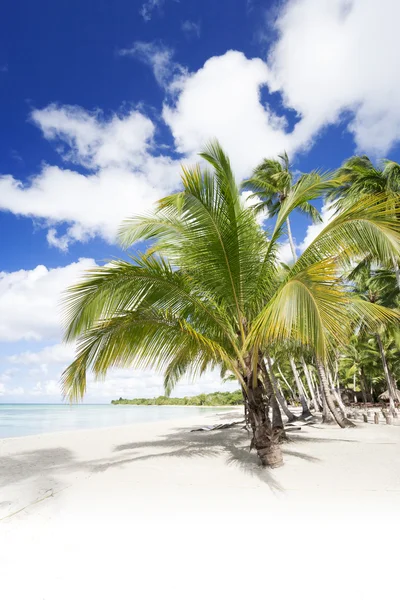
(392, 391)
(278, 394)
(341, 420)
(309, 383)
(318, 395)
(306, 411)
(336, 393)
(287, 383)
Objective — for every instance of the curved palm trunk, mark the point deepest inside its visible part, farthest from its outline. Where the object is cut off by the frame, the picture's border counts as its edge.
(336, 393)
(279, 396)
(339, 418)
(306, 411)
(286, 382)
(318, 395)
(291, 241)
(309, 383)
(388, 376)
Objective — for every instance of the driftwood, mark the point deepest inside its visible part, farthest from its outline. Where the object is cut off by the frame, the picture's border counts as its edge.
(289, 427)
(220, 426)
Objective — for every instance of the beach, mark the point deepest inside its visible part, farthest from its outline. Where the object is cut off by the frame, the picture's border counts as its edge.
(154, 505)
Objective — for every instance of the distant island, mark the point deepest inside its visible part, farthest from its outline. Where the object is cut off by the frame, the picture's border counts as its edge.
(213, 399)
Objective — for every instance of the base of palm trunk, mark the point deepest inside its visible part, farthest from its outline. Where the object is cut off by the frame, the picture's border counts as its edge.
(271, 457)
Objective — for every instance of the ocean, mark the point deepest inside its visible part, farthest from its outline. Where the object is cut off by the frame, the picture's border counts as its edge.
(31, 419)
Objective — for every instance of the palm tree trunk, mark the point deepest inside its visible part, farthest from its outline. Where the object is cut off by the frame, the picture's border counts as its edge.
(326, 414)
(336, 393)
(309, 383)
(339, 418)
(286, 381)
(306, 411)
(279, 396)
(265, 436)
(291, 241)
(388, 376)
(277, 422)
(363, 386)
(318, 395)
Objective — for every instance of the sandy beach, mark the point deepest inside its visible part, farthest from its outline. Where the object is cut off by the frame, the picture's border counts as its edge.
(154, 505)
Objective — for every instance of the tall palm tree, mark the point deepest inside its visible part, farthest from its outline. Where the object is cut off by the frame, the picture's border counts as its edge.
(208, 294)
(273, 180)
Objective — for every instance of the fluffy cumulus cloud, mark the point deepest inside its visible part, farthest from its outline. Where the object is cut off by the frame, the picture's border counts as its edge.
(30, 301)
(222, 100)
(123, 176)
(337, 56)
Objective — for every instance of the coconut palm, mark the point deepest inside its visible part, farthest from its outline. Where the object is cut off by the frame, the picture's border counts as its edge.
(208, 292)
(358, 177)
(272, 182)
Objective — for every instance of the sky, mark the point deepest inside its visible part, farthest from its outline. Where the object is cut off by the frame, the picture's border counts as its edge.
(101, 103)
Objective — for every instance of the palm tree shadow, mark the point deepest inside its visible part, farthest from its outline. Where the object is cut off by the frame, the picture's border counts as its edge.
(233, 443)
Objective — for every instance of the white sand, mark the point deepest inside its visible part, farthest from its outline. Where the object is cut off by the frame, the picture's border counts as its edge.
(153, 510)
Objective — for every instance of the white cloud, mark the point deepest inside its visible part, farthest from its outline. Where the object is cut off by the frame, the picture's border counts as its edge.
(125, 178)
(57, 353)
(159, 57)
(149, 7)
(191, 28)
(43, 381)
(89, 139)
(340, 55)
(222, 100)
(327, 212)
(30, 300)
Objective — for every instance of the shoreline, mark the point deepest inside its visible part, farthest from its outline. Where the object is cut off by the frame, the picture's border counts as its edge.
(67, 432)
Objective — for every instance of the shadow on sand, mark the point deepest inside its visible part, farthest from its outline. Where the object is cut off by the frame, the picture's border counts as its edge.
(47, 466)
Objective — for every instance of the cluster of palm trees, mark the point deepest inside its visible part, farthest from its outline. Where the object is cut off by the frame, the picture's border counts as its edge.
(211, 292)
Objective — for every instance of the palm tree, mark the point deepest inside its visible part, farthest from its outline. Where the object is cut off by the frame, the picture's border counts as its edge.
(208, 294)
(358, 177)
(379, 287)
(272, 182)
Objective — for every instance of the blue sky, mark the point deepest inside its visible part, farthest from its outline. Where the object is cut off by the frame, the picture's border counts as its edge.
(101, 102)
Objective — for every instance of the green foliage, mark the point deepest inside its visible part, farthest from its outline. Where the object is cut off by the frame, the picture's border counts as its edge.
(213, 399)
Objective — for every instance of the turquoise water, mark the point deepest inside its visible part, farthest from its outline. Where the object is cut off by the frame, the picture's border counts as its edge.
(30, 419)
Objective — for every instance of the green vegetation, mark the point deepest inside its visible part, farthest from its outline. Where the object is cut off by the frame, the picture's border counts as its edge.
(212, 293)
(214, 399)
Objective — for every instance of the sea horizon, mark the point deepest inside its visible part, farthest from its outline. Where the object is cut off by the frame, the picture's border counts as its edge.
(25, 419)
